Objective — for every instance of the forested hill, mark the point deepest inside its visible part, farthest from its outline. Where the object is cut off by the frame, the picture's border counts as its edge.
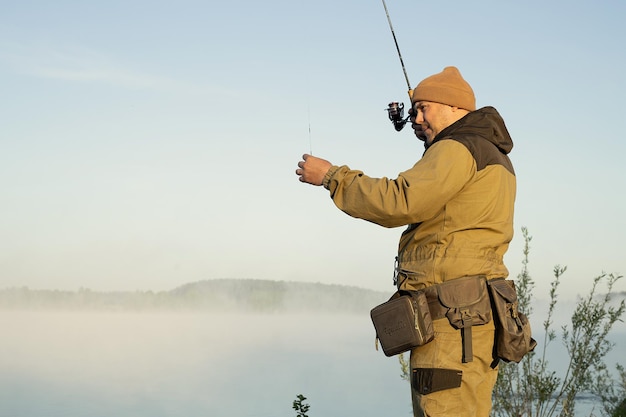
(233, 295)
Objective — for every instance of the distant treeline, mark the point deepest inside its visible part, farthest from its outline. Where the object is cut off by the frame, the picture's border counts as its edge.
(236, 295)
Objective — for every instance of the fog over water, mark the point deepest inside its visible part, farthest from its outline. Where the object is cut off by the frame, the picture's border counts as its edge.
(191, 364)
(123, 364)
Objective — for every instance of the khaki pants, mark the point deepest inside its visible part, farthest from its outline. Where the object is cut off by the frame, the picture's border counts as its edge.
(473, 397)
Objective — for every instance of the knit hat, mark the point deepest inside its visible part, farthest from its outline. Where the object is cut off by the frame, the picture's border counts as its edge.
(447, 87)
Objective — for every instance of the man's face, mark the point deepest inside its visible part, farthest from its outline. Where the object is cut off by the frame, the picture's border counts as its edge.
(429, 118)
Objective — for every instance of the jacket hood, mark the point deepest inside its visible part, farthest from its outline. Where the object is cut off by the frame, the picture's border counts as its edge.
(485, 123)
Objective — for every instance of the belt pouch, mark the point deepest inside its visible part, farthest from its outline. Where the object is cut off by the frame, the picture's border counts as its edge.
(429, 380)
(513, 333)
(403, 322)
(468, 304)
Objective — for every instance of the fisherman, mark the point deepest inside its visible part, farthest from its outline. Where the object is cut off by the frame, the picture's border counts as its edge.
(457, 205)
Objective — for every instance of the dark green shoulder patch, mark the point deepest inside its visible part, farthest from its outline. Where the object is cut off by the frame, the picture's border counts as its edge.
(484, 152)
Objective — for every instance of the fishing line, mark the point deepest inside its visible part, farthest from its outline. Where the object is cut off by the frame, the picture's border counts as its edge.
(309, 116)
(308, 81)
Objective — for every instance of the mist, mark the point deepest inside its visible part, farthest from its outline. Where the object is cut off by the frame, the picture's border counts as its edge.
(194, 364)
(113, 361)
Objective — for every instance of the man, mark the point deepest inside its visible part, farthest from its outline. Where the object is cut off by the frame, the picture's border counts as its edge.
(457, 202)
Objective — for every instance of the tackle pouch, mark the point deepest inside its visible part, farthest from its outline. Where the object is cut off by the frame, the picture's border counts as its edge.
(403, 322)
(513, 333)
(467, 303)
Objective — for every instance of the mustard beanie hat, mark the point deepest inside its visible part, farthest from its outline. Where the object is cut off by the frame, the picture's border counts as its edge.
(447, 87)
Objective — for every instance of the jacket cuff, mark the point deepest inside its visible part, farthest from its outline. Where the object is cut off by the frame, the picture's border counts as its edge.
(329, 174)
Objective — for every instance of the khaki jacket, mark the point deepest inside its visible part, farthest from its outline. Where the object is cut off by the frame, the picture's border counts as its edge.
(457, 202)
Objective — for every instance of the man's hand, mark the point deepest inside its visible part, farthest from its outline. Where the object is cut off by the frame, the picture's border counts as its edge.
(312, 170)
(419, 132)
(417, 128)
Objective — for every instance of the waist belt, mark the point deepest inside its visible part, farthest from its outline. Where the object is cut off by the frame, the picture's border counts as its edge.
(437, 310)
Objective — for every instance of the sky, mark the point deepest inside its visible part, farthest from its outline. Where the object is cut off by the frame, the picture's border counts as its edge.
(148, 144)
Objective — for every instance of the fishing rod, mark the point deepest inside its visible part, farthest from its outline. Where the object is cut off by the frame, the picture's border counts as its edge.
(395, 110)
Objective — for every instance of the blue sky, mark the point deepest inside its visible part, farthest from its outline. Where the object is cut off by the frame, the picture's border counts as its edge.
(145, 145)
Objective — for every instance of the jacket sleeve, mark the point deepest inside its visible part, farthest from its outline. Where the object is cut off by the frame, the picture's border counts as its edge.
(418, 194)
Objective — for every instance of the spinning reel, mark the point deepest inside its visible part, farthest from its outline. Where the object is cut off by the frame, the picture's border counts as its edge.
(395, 111)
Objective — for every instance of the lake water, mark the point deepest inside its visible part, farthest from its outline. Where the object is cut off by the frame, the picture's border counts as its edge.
(151, 364)
(90, 364)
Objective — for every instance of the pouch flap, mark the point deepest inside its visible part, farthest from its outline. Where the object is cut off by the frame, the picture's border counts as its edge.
(462, 292)
(505, 289)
